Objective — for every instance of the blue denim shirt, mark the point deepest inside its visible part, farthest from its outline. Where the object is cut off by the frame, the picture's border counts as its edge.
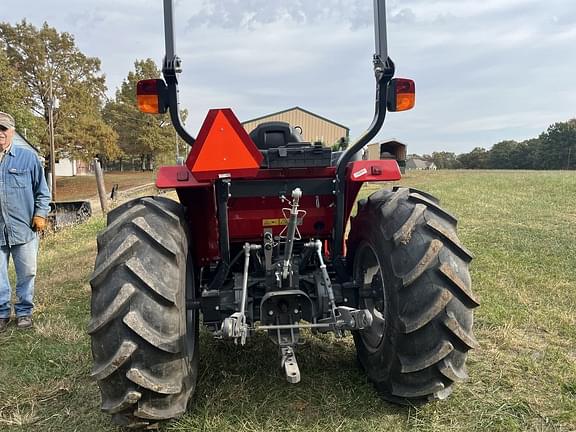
(23, 195)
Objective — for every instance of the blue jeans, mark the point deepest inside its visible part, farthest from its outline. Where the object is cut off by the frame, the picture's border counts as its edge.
(24, 258)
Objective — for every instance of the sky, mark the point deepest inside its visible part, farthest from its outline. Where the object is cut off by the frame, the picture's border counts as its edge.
(485, 71)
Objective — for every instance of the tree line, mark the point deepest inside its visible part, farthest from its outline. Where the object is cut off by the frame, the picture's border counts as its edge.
(42, 72)
(553, 149)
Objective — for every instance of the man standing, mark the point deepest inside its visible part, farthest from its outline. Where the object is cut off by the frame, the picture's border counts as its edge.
(24, 205)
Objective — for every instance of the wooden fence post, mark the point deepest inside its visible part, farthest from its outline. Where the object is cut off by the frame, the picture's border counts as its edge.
(101, 186)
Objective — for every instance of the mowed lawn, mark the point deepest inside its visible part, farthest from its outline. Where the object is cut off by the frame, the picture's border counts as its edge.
(83, 187)
(521, 226)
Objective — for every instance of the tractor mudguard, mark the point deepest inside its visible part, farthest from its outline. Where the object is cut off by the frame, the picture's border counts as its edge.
(359, 171)
(373, 170)
(178, 177)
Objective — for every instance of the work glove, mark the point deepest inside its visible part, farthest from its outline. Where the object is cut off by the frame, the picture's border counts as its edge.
(38, 223)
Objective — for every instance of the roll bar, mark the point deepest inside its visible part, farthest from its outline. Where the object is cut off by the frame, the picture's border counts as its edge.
(170, 69)
(383, 72)
(172, 66)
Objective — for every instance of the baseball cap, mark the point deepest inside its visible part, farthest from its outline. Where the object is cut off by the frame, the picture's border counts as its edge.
(7, 120)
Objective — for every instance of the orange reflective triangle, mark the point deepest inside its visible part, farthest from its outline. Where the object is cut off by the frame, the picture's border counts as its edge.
(223, 147)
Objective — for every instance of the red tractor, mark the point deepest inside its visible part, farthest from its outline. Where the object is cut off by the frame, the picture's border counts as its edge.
(258, 243)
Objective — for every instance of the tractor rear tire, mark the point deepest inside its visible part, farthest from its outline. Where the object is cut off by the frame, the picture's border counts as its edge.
(144, 341)
(413, 271)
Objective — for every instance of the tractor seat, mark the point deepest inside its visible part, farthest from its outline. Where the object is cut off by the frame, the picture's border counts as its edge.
(282, 147)
(275, 134)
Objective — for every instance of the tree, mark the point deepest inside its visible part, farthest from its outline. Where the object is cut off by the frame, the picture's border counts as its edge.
(524, 155)
(558, 146)
(87, 135)
(502, 155)
(144, 136)
(53, 69)
(15, 99)
(445, 160)
(476, 159)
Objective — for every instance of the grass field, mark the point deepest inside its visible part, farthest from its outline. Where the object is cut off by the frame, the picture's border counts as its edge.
(82, 187)
(520, 225)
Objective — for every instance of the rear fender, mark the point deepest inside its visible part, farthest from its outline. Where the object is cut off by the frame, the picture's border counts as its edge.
(373, 171)
(363, 171)
(179, 176)
(198, 198)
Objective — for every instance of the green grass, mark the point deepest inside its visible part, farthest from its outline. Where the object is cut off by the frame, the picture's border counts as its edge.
(521, 226)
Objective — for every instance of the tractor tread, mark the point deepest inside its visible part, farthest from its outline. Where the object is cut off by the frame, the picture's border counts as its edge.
(416, 320)
(404, 233)
(442, 394)
(102, 270)
(434, 206)
(136, 267)
(422, 361)
(460, 287)
(424, 263)
(447, 369)
(463, 336)
(449, 236)
(427, 292)
(129, 399)
(158, 385)
(411, 190)
(134, 320)
(416, 391)
(155, 236)
(112, 229)
(113, 309)
(389, 205)
(154, 203)
(360, 204)
(145, 361)
(147, 411)
(120, 357)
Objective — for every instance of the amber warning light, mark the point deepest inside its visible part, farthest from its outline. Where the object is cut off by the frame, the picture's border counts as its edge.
(223, 149)
(401, 94)
(151, 96)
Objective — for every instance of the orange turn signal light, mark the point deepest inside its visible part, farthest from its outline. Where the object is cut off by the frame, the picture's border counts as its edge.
(151, 96)
(401, 94)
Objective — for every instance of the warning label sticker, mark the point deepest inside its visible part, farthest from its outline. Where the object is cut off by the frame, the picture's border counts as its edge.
(278, 222)
(360, 173)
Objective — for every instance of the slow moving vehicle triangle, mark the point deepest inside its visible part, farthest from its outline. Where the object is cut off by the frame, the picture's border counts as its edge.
(223, 149)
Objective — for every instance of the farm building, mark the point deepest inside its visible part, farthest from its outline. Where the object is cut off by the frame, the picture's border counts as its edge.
(419, 164)
(66, 167)
(314, 127)
(390, 149)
